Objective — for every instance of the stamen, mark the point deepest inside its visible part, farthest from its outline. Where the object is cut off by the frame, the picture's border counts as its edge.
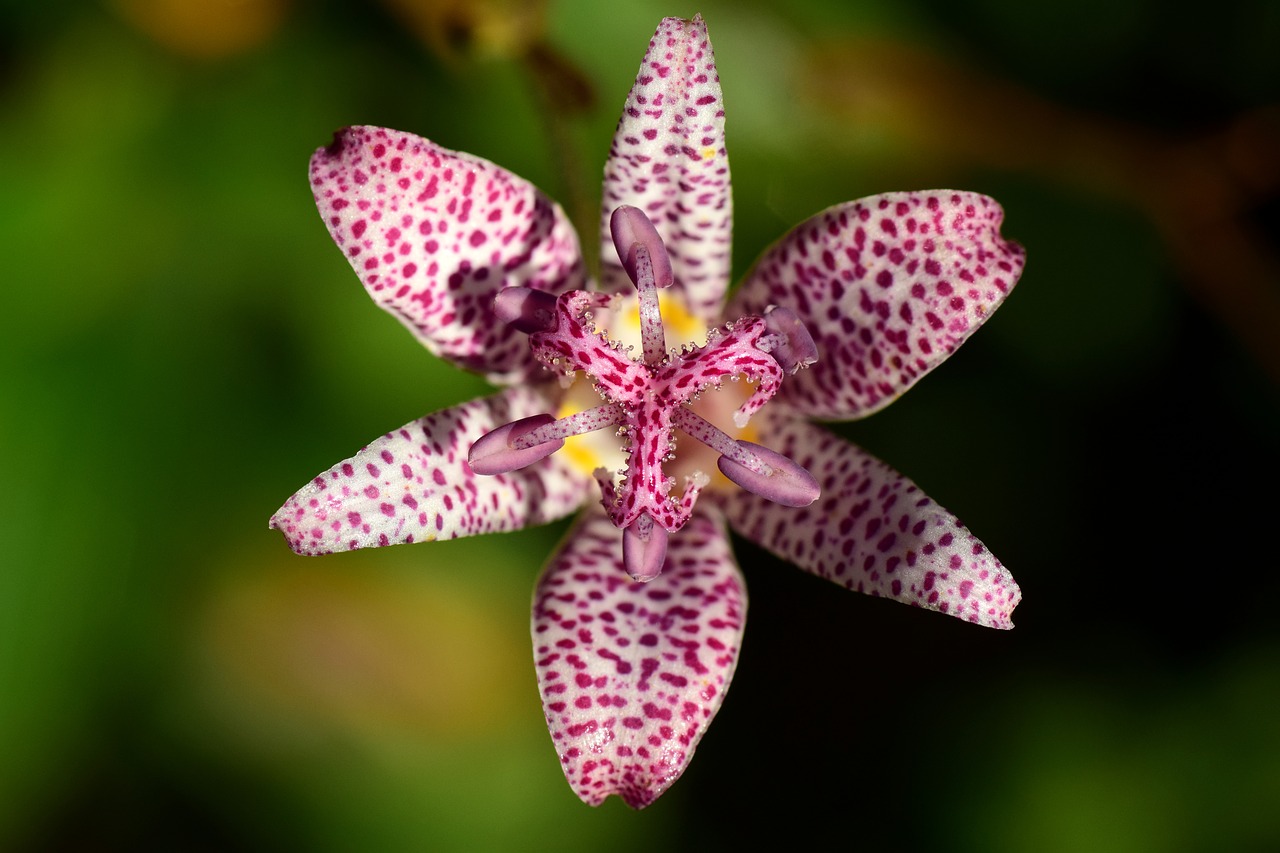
(789, 484)
(495, 452)
(644, 548)
(703, 430)
(645, 259)
(590, 420)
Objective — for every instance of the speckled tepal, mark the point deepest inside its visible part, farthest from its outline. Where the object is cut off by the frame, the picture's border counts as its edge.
(641, 398)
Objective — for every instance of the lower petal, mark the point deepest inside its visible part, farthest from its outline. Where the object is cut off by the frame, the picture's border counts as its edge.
(631, 674)
(414, 485)
(874, 531)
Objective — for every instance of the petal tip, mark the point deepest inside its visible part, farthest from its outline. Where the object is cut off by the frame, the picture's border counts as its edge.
(635, 796)
(337, 147)
(337, 144)
(697, 22)
(280, 522)
(1002, 597)
(1004, 618)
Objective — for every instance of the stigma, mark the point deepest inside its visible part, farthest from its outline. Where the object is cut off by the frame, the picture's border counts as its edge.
(647, 399)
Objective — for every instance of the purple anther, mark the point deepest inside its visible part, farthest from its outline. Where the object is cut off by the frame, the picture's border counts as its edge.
(644, 548)
(525, 309)
(493, 453)
(631, 228)
(645, 259)
(796, 348)
(787, 483)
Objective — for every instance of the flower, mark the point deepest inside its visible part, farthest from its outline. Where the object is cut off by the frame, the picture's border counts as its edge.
(638, 617)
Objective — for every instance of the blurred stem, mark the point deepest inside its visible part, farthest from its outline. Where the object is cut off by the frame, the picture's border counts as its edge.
(1199, 194)
(565, 93)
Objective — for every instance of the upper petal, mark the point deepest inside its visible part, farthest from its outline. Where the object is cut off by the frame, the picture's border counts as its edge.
(435, 234)
(415, 485)
(874, 531)
(668, 159)
(631, 674)
(888, 286)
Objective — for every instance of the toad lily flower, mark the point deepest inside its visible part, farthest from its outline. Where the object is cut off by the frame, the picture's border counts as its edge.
(638, 617)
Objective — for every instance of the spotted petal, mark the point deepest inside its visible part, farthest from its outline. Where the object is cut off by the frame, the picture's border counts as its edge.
(415, 485)
(888, 286)
(668, 158)
(435, 234)
(632, 673)
(874, 531)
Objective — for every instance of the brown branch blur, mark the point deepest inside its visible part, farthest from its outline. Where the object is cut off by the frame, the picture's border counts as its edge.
(565, 94)
(1198, 193)
(458, 31)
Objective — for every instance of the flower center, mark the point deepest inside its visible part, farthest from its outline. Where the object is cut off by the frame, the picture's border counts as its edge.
(647, 400)
(605, 448)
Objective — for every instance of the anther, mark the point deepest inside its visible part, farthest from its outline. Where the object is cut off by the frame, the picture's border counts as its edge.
(527, 440)
(495, 453)
(645, 259)
(787, 483)
(644, 548)
(630, 229)
(525, 309)
(789, 342)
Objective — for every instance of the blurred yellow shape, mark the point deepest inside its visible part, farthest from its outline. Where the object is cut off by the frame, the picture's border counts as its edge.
(205, 29)
(374, 652)
(503, 29)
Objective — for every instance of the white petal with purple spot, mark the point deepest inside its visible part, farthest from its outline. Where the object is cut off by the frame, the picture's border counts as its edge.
(888, 287)
(874, 531)
(868, 295)
(668, 159)
(632, 673)
(435, 234)
(414, 485)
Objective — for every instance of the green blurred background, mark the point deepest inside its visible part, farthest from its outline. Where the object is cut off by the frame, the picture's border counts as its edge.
(183, 347)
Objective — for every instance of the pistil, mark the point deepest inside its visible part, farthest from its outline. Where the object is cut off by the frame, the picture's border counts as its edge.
(647, 399)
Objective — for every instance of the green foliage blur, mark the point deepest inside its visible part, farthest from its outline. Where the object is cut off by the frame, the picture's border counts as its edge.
(183, 347)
